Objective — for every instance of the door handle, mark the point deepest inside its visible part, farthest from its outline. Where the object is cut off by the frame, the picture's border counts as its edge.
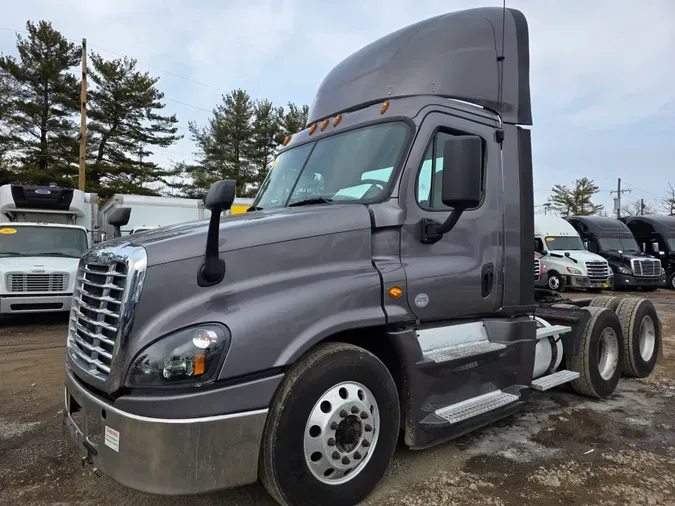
(487, 279)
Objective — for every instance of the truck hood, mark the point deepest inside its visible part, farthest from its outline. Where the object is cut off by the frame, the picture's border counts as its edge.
(29, 264)
(627, 257)
(581, 256)
(246, 230)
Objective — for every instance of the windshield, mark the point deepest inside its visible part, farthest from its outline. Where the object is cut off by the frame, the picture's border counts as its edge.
(625, 244)
(561, 243)
(354, 166)
(42, 241)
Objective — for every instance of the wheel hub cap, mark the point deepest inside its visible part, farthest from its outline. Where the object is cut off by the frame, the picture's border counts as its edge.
(341, 433)
(608, 353)
(647, 338)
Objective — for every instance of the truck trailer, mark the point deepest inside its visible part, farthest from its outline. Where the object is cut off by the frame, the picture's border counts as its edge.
(371, 292)
(566, 259)
(656, 234)
(43, 233)
(613, 240)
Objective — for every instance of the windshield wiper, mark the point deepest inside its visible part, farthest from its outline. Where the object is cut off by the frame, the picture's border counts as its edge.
(53, 254)
(309, 202)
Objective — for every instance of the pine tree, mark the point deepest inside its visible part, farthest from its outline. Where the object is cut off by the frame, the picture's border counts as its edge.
(292, 121)
(576, 201)
(265, 132)
(41, 123)
(125, 124)
(224, 144)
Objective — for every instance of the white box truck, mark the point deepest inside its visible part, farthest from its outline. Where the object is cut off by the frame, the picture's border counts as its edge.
(566, 259)
(43, 233)
(151, 212)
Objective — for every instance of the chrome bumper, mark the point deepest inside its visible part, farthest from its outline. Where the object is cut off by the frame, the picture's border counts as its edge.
(41, 304)
(163, 456)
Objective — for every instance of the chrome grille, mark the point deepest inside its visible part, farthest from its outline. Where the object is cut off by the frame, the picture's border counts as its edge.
(537, 267)
(597, 271)
(648, 268)
(22, 282)
(95, 318)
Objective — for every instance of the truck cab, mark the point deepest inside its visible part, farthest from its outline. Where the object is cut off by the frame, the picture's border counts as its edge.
(613, 240)
(566, 260)
(380, 286)
(656, 234)
(43, 233)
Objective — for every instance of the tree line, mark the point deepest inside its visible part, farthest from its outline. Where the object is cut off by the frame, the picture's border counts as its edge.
(577, 200)
(126, 124)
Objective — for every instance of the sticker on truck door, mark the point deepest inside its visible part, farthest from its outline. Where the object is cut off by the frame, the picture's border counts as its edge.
(112, 438)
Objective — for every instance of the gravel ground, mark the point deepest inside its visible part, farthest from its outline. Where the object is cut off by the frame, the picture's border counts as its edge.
(563, 449)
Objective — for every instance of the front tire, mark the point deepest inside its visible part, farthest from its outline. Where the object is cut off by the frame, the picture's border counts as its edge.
(600, 355)
(671, 280)
(555, 282)
(332, 429)
(642, 336)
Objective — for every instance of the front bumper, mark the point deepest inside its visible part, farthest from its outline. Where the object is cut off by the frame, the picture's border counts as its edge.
(164, 456)
(627, 281)
(35, 304)
(585, 282)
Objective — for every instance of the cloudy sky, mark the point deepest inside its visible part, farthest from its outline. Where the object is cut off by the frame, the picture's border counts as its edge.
(603, 71)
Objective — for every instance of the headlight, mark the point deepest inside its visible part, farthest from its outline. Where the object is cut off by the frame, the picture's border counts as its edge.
(623, 270)
(572, 270)
(189, 356)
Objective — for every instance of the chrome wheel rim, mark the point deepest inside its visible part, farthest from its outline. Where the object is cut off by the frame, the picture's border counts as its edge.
(341, 433)
(647, 338)
(608, 353)
(553, 282)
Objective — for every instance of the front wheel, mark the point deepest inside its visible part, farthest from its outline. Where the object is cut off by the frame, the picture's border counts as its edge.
(332, 428)
(671, 280)
(555, 282)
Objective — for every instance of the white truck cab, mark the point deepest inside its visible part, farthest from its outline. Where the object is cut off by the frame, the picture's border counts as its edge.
(43, 233)
(567, 261)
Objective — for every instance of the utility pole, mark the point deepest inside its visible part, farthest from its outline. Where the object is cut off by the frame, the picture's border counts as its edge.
(83, 115)
(617, 200)
(642, 207)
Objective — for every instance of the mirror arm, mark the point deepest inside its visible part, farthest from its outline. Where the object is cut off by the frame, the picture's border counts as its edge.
(212, 271)
(432, 231)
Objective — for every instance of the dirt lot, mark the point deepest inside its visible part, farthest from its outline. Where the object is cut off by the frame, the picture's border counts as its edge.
(562, 450)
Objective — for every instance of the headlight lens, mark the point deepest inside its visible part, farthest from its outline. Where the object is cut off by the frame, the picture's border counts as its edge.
(189, 356)
(624, 270)
(572, 270)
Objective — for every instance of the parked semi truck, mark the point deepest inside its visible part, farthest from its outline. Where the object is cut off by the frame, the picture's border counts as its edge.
(294, 343)
(613, 240)
(566, 260)
(656, 234)
(43, 233)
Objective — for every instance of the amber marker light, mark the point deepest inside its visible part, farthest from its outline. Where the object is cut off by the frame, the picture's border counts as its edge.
(395, 292)
(287, 139)
(312, 128)
(324, 124)
(337, 120)
(384, 107)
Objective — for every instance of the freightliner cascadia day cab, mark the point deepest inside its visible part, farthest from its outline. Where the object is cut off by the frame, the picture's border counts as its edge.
(613, 240)
(381, 286)
(566, 260)
(656, 234)
(43, 233)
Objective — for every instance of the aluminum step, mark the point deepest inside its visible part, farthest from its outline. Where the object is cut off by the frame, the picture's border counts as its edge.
(552, 331)
(553, 380)
(462, 351)
(476, 406)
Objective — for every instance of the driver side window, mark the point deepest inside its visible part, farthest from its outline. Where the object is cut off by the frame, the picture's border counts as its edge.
(429, 178)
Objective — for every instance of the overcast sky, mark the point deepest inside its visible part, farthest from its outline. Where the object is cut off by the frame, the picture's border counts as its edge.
(602, 71)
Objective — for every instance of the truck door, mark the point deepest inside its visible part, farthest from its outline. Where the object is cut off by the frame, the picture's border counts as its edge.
(461, 274)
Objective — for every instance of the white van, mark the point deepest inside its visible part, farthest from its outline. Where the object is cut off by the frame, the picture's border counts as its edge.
(567, 261)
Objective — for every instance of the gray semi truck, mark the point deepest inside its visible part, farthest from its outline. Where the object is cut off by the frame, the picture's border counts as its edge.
(379, 287)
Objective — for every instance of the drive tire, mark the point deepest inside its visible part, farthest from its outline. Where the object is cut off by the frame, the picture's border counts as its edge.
(555, 282)
(639, 315)
(284, 468)
(608, 301)
(587, 362)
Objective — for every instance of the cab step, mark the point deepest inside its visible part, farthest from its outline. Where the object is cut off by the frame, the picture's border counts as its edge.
(462, 351)
(552, 331)
(470, 408)
(553, 380)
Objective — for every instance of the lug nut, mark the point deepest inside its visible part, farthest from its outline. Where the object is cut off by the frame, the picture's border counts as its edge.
(357, 456)
(336, 456)
(368, 428)
(343, 414)
(331, 442)
(364, 415)
(334, 426)
(355, 409)
(345, 461)
(365, 443)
